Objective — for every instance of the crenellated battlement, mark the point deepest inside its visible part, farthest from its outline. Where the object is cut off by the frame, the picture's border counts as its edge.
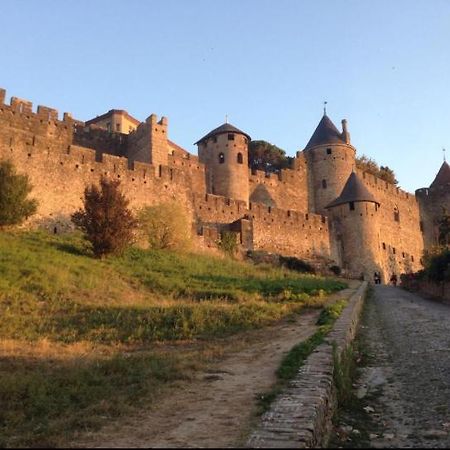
(25, 107)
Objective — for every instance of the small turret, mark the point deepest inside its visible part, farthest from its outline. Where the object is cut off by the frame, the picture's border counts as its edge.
(224, 151)
(354, 223)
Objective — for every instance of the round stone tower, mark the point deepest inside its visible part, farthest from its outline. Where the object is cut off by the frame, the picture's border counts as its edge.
(433, 202)
(330, 160)
(354, 224)
(224, 151)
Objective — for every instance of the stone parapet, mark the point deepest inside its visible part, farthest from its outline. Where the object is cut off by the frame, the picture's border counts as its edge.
(301, 416)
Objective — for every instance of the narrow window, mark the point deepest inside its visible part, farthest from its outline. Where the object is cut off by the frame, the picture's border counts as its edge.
(108, 126)
(231, 137)
(352, 206)
(384, 246)
(329, 151)
(240, 158)
(221, 158)
(412, 258)
(324, 184)
(393, 250)
(396, 214)
(117, 126)
(214, 139)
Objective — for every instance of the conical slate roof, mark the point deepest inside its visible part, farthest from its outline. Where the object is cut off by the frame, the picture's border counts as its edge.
(443, 176)
(326, 133)
(354, 191)
(225, 128)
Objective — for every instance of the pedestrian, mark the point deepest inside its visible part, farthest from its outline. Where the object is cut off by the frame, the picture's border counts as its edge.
(394, 279)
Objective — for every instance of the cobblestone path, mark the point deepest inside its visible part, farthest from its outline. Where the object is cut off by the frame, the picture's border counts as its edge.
(406, 386)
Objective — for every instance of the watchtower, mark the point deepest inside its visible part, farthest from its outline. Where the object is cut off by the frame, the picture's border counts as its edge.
(330, 159)
(355, 226)
(224, 151)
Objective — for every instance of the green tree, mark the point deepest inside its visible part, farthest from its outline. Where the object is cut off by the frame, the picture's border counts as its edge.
(106, 221)
(371, 166)
(165, 225)
(265, 156)
(15, 207)
(444, 228)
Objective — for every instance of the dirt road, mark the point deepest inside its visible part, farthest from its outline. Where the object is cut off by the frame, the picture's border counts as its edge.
(218, 408)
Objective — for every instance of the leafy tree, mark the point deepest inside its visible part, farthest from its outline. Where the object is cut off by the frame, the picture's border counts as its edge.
(444, 228)
(268, 157)
(106, 221)
(165, 226)
(14, 189)
(369, 165)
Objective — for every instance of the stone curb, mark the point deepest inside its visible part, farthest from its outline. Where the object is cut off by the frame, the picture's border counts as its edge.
(301, 416)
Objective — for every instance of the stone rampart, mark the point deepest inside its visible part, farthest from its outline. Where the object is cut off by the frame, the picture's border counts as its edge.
(301, 416)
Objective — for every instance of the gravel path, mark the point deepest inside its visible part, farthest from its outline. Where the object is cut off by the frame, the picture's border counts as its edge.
(408, 338)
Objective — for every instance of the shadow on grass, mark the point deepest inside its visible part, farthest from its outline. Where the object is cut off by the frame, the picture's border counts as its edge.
(47, 400)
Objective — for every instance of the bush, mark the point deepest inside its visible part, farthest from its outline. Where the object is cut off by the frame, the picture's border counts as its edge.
(165, 226)
(228, 243)
(106, 221)
(14, 189)
(438, 267)
(292, 263)
(336, 270)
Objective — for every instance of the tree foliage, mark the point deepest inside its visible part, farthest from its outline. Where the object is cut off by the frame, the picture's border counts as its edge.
(268, 157)
(106, 221)
(15, 207)
(166, 225)
(369, 165)
(444, 228)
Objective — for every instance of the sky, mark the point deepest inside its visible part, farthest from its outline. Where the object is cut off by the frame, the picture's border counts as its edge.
(268, 65)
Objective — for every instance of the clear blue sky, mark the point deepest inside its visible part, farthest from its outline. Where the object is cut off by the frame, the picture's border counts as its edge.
(269, 65)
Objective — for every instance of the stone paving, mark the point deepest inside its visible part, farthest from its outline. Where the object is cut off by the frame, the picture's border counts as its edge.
(408, 338)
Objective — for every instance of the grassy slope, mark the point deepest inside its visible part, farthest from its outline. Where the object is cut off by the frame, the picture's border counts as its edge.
(81, 338)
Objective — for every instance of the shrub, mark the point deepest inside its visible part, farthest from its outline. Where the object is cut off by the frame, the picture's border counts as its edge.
(336, 270)
(228, 243)
(14, 189)
(165, 226)
(106, 221)
(292, 263)
(438, 267)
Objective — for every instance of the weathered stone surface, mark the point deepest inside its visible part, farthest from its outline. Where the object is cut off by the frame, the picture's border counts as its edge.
(307, 406)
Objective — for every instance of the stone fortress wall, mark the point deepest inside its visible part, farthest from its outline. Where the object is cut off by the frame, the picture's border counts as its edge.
(282, 213)
(62, 157)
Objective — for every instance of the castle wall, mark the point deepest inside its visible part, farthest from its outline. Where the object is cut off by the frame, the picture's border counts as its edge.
(400, 243)
(148, 143)
(286, 190)
(432, 201)
(290, 233)
(59, 171)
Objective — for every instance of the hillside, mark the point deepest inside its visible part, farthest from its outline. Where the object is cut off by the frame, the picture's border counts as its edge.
(84, 339)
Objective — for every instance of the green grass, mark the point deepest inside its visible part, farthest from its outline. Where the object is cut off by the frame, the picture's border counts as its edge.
(51, 288)
(297, 356)
(83, 340)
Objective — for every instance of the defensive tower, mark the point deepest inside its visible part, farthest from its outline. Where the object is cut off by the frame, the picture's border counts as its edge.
(330, 159)
(354, 224)
(433, 201)
(224, 151)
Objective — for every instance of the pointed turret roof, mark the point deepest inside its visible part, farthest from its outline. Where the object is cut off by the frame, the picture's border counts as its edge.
(326, 133)
(225, 128)
(354, 191)
(443, 176)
